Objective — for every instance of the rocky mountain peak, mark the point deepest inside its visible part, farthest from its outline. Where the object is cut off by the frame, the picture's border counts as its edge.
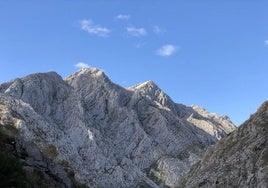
(49, 77)
(89, 72)
(198, 108)
(151, 91)
(88, 79)
(201, 110)
(46, 77)
(148, 85)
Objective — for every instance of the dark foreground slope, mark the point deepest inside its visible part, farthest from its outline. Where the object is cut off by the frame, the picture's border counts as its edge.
(239, 160)
(23, 165)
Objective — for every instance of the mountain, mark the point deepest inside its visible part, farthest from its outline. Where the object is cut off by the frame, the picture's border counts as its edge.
(239, 160)
(107, 135)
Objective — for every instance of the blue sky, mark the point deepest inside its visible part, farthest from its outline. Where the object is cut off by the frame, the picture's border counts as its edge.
(212, 53)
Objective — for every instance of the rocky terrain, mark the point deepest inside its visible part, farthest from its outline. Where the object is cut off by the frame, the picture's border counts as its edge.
(109, 136)
(22, 164)
(239, 160)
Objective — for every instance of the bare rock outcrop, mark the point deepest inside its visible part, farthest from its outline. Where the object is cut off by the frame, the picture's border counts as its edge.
(22, 162)
(111, 136)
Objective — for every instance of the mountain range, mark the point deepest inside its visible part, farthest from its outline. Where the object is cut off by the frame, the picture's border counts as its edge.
(90, 130)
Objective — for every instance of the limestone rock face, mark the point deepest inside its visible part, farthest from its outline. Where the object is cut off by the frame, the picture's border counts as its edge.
(27, 165)
(109, 135)
(239, 160)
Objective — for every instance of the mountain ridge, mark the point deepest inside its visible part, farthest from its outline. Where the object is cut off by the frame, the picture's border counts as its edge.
(127, 137)
(238, 160)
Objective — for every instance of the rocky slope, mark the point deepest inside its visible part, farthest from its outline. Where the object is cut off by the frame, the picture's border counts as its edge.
(239, 160)
(108, 135)
(22, 164)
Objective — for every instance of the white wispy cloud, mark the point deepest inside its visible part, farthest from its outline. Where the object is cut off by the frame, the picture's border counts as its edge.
(122, 17)
(90, 27)
(136, 32)
(167, 50)
(157, 29)
(81, 65)
(266, 42)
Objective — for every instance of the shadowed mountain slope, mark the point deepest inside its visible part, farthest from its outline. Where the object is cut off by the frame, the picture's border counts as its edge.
(239, 160)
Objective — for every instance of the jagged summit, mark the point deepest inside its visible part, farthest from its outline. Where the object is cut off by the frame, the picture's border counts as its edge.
(110, 136)
(198, 108)
(36, 87)
(33, 77)
(148, 84)
(88, 74)
(151, 91)
(94, 72)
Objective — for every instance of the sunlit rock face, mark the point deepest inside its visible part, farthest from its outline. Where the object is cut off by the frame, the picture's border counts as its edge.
(112, 136)
(239, 160)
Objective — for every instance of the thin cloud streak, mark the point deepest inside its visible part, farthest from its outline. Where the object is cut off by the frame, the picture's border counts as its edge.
(136, 32)
(122, 17)
(91, 28)
(81, 65)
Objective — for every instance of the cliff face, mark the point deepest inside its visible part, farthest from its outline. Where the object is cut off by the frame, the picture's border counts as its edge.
(239, 160)
(22, 164)
(111, 136)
